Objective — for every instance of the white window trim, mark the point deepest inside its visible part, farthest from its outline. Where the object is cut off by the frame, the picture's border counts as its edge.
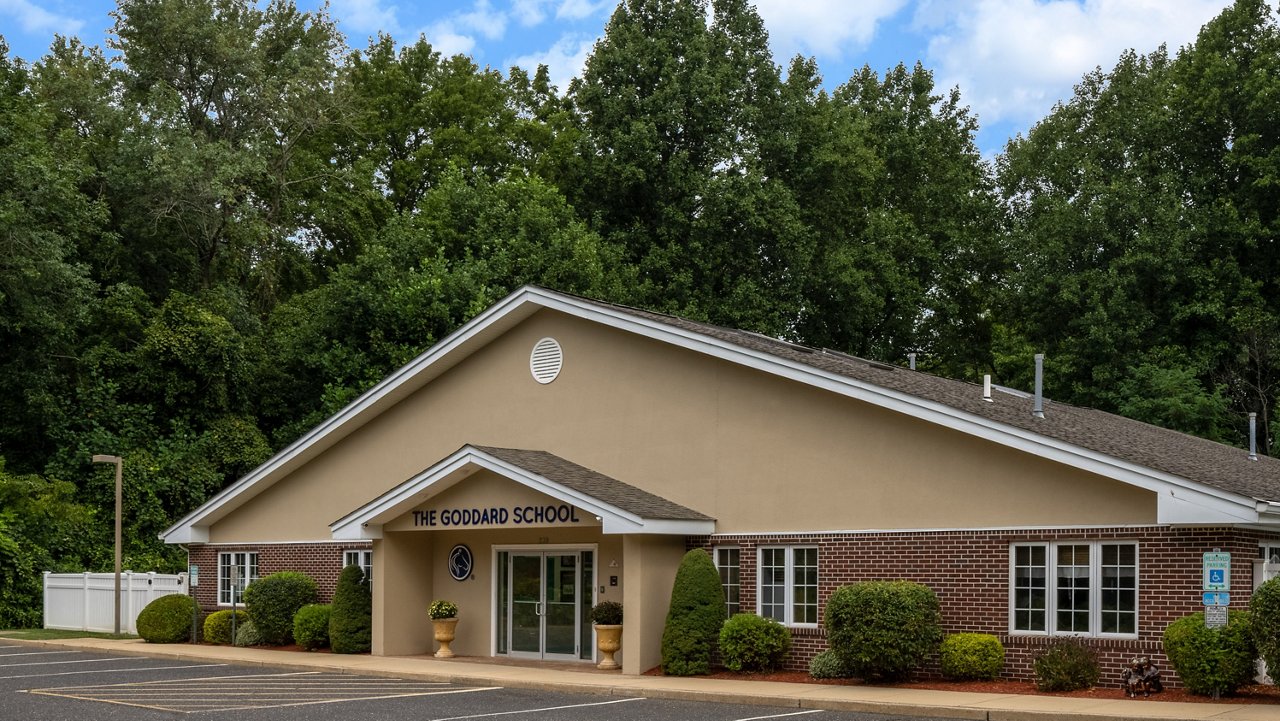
(1275, 545)
(243, 568)
(789, 571)
(715, 557)
(1095, 587)
(361, 554)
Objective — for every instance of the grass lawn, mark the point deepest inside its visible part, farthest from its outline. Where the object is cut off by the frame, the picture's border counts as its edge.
(49, 634)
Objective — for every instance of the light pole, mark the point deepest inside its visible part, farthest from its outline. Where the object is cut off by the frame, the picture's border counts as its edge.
(119, 482)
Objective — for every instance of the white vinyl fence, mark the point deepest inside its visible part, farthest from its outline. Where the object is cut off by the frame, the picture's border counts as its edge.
(1263, 572)
(83, 601)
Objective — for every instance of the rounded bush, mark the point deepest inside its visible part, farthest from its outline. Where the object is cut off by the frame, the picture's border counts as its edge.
(1264, 606)
(272, 601)
(1211, 661)
(694, 618)
(751, 643)
(607, 613)
(167, 619)
(311, 626)
(972, 656)
(442, 609)
(883, 629)
(247, 634)
(829, 664)
(217, 626)
(351, 613)
(1066, 665)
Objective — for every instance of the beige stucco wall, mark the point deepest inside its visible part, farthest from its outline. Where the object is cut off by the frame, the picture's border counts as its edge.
(756, 452)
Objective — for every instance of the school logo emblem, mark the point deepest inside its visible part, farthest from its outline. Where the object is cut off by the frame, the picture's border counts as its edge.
(460, 562)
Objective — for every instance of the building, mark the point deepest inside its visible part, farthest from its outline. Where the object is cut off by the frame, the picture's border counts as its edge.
(557, 451)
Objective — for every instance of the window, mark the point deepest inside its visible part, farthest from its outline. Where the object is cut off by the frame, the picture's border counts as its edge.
(244, 567)
(1269, 553)
(788, 585)
(1074, 588)
(728, 561)
(363, 559)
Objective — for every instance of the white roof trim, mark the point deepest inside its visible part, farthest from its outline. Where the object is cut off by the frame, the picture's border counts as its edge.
(1180, 500)
(366, 522)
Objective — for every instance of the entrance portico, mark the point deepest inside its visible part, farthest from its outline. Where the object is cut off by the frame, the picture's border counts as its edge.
(525, 542)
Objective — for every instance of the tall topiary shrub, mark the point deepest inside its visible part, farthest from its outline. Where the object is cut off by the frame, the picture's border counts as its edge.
(751, 643)
(883, 629)
(693, 621)
(167, 619)
(1211, 661)
(272, 601)
(351, 613)
(1265, 609)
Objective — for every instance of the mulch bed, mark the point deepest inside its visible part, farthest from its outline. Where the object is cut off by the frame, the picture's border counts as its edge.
(1261, 694)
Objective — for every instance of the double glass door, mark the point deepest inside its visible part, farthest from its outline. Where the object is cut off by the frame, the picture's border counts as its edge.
(547, 600)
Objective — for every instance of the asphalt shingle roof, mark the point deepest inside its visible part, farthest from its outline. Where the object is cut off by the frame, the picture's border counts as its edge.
(1179, 454)
(597, 485)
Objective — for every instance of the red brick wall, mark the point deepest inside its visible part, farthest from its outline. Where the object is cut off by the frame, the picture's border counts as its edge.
(969, 571)
(320, 561)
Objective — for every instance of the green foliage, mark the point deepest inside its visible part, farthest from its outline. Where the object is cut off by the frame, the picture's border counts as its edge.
(351, 613)
(217, 625)
(1066, 665)
(442, 609)
(1212, 661)
(1264, 607)
(311, 626)
(167, 619)
(607, 613)
(829, 664)
(883, 629)
(272, 601)
(694, 617)
(751, 643)
(971, 656)
(247, 634)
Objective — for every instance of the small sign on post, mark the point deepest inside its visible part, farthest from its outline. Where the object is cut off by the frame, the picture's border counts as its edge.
(193, 575)
(1215, 616)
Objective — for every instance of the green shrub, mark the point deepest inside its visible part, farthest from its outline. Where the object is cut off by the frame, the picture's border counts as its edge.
(883, 629)
(696, 613)
(217, 626)
(247, 634)
(607, 613)
(829, 664)
(351, 614)
(167, 619)
(972, 656)
(272, 601)
(1066, 665)
(751, 643)
(1264, 606)
(311, 626)
(442, 609)
(1211, 661)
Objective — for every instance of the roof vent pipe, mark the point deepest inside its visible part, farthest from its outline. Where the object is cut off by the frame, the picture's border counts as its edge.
(911, 361)
(1253, 436)
(986, 388)
(1037, 410)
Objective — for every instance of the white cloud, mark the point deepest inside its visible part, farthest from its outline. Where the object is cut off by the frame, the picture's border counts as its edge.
(581, 9)
(35, 19)
(564, 60)
(1013, 59)
(822, 27)
(446, 41)
(483, 19)
(530, 12)
(365, 17)
(457, 33)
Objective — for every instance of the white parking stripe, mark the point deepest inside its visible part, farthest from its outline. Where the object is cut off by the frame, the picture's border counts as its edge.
(114, 670)
(363, 698)
(63, 663)
(36, 653)
(781, 715)
(536, 710)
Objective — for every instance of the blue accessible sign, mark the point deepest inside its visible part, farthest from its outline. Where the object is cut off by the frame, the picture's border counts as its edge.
(1217, 571)
(1217, 598)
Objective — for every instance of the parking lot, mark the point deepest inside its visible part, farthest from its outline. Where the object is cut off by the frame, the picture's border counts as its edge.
(42, 683)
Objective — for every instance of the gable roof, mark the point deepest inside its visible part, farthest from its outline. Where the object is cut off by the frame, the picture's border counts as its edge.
(1196, 481)
(621, 508)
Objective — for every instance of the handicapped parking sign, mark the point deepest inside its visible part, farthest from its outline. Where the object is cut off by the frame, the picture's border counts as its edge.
(1217, 571)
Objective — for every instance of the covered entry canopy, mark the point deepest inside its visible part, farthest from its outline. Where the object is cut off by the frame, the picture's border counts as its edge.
(620, 507)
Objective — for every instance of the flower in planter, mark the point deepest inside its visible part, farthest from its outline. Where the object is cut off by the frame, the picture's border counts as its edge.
(607, 613)
(442, 609)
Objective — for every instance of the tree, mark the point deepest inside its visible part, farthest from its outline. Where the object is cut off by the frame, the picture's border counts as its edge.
(351, 614)
(694, 617)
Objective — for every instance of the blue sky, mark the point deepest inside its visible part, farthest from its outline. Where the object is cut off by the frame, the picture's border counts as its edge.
(1012, 59)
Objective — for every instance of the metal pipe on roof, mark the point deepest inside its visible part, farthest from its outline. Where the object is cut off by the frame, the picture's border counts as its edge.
(1037, 409)
(911, 361)
(986, 388)
(1253, 436)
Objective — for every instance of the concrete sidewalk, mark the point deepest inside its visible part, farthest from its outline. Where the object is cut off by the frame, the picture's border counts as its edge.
(871, 699)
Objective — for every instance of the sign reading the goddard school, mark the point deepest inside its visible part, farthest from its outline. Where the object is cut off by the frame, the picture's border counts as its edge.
(552, 514)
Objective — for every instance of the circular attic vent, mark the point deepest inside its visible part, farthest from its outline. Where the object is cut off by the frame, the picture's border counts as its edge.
(546, 360)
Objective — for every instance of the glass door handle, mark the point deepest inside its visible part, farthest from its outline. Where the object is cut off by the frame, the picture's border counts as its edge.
(538, 608)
